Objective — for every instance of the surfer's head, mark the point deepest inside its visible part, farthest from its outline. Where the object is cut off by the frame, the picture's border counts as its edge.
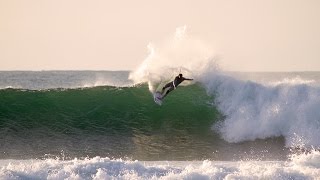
(180, 75)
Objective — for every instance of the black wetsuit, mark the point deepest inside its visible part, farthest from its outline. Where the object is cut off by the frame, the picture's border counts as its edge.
(173, 84)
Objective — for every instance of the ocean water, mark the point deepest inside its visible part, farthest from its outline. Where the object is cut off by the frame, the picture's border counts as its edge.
(105, 125)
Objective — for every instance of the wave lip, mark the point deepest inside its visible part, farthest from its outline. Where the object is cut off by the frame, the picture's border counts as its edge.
(293, 81)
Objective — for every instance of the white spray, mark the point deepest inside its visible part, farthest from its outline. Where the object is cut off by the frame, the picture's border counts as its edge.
(180, 53)
(252, 110)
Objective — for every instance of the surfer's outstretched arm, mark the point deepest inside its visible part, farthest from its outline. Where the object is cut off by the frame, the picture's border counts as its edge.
(188, 79)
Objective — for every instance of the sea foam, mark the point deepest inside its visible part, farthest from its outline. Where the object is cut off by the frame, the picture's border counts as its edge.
(304, 166)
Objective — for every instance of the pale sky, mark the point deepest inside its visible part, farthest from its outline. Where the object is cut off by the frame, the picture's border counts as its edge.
(248, 35)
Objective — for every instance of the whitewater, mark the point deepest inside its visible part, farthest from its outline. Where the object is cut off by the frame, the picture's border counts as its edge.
(105, 125)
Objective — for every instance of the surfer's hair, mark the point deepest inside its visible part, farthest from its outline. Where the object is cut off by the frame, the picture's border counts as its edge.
(180, 75)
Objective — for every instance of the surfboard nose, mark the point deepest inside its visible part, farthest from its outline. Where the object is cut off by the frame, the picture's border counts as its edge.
(157, 96)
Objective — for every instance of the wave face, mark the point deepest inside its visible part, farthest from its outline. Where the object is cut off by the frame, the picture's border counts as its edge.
(107, 120)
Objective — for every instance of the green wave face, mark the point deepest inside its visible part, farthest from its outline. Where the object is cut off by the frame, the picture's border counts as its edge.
(101, 121)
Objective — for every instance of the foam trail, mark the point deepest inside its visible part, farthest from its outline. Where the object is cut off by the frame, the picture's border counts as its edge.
(255, 111)
(304, 166)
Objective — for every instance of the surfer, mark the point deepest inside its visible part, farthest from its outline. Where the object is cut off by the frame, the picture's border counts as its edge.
(173, 84)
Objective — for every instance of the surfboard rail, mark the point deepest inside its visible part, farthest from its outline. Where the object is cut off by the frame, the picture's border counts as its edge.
(157, 96)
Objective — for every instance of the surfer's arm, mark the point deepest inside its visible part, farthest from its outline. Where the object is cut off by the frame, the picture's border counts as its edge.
(187, 79)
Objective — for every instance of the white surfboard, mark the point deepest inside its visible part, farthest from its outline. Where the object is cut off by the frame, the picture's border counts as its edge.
(157, 96)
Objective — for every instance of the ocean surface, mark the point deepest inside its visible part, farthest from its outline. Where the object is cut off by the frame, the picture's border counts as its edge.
(105, 125)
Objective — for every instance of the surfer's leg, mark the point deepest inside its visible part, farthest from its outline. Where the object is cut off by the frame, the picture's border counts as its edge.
(167, 86)
(167, 92)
